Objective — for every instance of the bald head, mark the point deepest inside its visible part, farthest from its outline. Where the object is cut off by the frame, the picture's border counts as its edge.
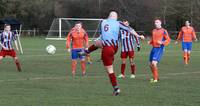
(113, 15)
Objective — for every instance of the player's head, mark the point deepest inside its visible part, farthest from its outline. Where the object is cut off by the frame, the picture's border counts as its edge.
(113, 15)
(7, 27)
(158, 23)
(187, 23)
(125, 22)
(78, 25)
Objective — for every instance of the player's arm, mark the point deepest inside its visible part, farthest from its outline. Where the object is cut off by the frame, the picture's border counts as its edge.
(1, 43)
(137, 42)
(131, 30)
(179, 36)
(86, 40)
(167, 38)
(15, 41)
(68, 41)
(194, 37)
(151, 41)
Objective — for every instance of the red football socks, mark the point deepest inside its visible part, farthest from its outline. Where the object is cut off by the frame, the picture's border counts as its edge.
(123, 66)
(18, 65)
(133, 68)
(113, 79)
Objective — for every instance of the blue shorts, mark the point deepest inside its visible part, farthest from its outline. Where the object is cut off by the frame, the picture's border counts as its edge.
(156, 54)
(75, 54)
(187, 46)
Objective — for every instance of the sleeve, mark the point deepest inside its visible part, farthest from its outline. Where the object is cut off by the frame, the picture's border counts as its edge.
(167, 38)
(137, 41)
(193, 34)
(124, 27)
(86, 40)
(151, 41)
(0, 36)
(14, 37)
(68, 40)
(180, 35)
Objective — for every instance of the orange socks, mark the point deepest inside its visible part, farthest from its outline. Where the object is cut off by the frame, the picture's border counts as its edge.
(188, 55)
(185, 57)
(83, 67)
(74, 67)
(154, 70)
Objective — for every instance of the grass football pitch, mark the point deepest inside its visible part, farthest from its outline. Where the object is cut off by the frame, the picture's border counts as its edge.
(46, 79)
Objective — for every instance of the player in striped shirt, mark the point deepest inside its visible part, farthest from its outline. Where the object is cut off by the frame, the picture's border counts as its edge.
(128, 41)
(6, 39)
(186, 35)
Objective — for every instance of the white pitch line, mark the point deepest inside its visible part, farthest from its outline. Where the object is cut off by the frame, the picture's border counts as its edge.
(61, 78)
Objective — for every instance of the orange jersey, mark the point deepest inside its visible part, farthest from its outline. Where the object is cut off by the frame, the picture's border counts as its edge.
(187, 34)
(79, 39)
(160, 35)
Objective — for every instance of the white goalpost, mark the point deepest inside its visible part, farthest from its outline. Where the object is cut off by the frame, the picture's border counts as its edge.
(61, 26)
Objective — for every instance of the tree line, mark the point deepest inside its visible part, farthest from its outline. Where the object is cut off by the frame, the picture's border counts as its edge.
(141, 13)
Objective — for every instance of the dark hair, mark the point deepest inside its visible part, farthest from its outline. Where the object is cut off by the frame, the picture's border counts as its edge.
(78, 22)
(6, 25)
(124, 20)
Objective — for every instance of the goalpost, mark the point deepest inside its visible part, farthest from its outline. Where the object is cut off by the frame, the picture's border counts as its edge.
(60, 27)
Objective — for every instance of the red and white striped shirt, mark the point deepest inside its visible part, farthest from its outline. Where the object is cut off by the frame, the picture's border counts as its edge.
(6, 39)
(128, 41)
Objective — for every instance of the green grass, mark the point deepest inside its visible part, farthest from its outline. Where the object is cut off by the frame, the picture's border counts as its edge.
(46, 79)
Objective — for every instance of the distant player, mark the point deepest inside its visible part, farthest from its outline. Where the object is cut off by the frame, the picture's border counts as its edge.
(186, 35)
(6, 39)
(128, 41)
(78, 38)
(109, 42)
(159, 40)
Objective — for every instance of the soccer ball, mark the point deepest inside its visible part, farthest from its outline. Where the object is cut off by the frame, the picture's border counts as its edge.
(51, 49)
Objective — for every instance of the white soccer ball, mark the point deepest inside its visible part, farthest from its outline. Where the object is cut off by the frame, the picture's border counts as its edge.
(51, 49)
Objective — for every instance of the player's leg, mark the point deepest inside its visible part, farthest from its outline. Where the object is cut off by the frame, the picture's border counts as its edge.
(89, 61)
(12, 53)
(83, 64)
(97, 44)
(108, 58)
(133, 66)
(155, 57)
(154, 70)
(123, 65)
(189, 48)
(17, 63)
(74, 56)
(185, 52)
(1, 57)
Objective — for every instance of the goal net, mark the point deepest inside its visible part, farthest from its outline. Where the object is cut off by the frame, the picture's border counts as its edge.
(60, 27)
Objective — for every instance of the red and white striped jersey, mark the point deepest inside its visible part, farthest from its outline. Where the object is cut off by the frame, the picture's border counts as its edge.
(6, 39)
(128, 41)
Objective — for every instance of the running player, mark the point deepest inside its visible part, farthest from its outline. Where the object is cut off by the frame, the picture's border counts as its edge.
(186, 35)
(159, 40)
(6, 39)
(127, 50)
(79, 39)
